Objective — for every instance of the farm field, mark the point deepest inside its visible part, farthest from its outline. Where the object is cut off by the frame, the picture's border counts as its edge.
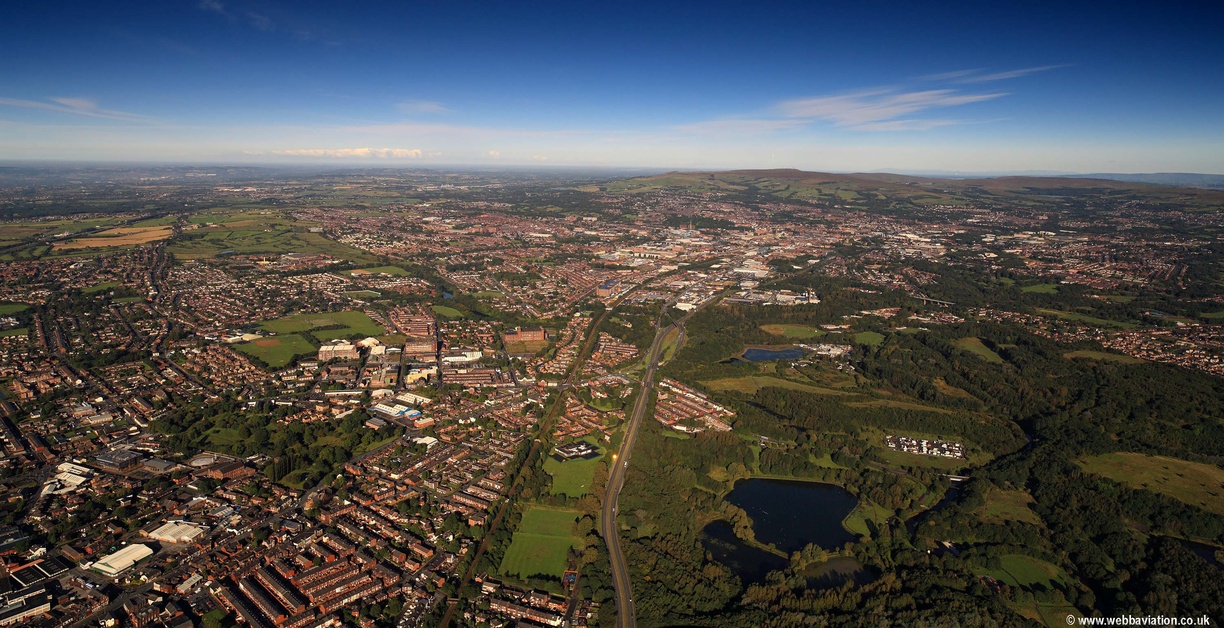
(277, 351)
(349, 323)
(541, 544)
(122, 236)
(975, 346)
(797, 332)
(1197, 484)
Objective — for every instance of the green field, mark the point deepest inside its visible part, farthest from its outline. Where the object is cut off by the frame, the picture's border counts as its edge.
(277, 351)
(869, 338)
(446, 311)
(12, 308)
(261, 234)
(1102, 356)
(856, 521)
(1041, 288)
(394, 271)
(1084, 318)
(348, 323)
(489, 294)
(1026, 572)
(1194, 483)
(572, 478)
(796, 332)
(100, 287)
(975, 346)
(19, 331)
(1002, 506)
(1212, 315)
(363, 294)
(906, 459)
(541, 544)
(753, 383)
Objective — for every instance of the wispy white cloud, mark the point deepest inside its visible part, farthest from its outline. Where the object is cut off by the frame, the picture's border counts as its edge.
(865, 109)
(351, 153)
(493, 153)
(973, 77)
(77, 106)
(256, 20)
(422, 106)
(880, 109)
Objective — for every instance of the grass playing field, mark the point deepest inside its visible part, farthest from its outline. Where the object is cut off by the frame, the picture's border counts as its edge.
(278, 351)
(572, 478)
(1194, 483)
(541, 543)
(350, 322)
(12, 308)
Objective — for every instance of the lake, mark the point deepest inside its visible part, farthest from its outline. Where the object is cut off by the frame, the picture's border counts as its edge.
(767, 355)
(789, 514)
(750, 563)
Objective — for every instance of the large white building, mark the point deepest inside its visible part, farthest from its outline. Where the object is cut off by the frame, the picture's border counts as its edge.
(178, 532)
(122, 560)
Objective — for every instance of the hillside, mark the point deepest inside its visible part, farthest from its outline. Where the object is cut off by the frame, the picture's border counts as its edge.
(872, 188)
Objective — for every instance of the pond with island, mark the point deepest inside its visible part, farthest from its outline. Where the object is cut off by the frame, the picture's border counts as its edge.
(789, 515)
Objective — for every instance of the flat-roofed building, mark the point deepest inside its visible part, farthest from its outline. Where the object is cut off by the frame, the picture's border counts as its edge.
(122, 560)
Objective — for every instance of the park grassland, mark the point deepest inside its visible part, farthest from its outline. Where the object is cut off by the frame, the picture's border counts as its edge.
(1193, 483)
(446, 311)
(541, 544)
(277, 351)
(1084, 318)
(751, 384)
(259, 235)
(1102, 356)
(974, 345)
(1041, 288)
(325, 326)
(1002, 506)
(8, 309)
(394, 271)
(870, 338)
(794, 332)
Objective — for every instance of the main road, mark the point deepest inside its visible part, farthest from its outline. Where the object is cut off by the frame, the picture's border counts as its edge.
(625, 617)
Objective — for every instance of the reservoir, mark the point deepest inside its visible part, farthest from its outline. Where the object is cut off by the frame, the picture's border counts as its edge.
(790, 514)
(766, 355)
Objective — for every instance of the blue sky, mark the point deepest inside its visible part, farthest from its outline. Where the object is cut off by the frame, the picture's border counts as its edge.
(1120, 87)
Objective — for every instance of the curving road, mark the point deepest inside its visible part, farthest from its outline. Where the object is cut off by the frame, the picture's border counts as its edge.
(625, 617)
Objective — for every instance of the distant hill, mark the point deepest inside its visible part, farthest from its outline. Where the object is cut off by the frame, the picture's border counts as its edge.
(877, 189)
(1179, 179)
